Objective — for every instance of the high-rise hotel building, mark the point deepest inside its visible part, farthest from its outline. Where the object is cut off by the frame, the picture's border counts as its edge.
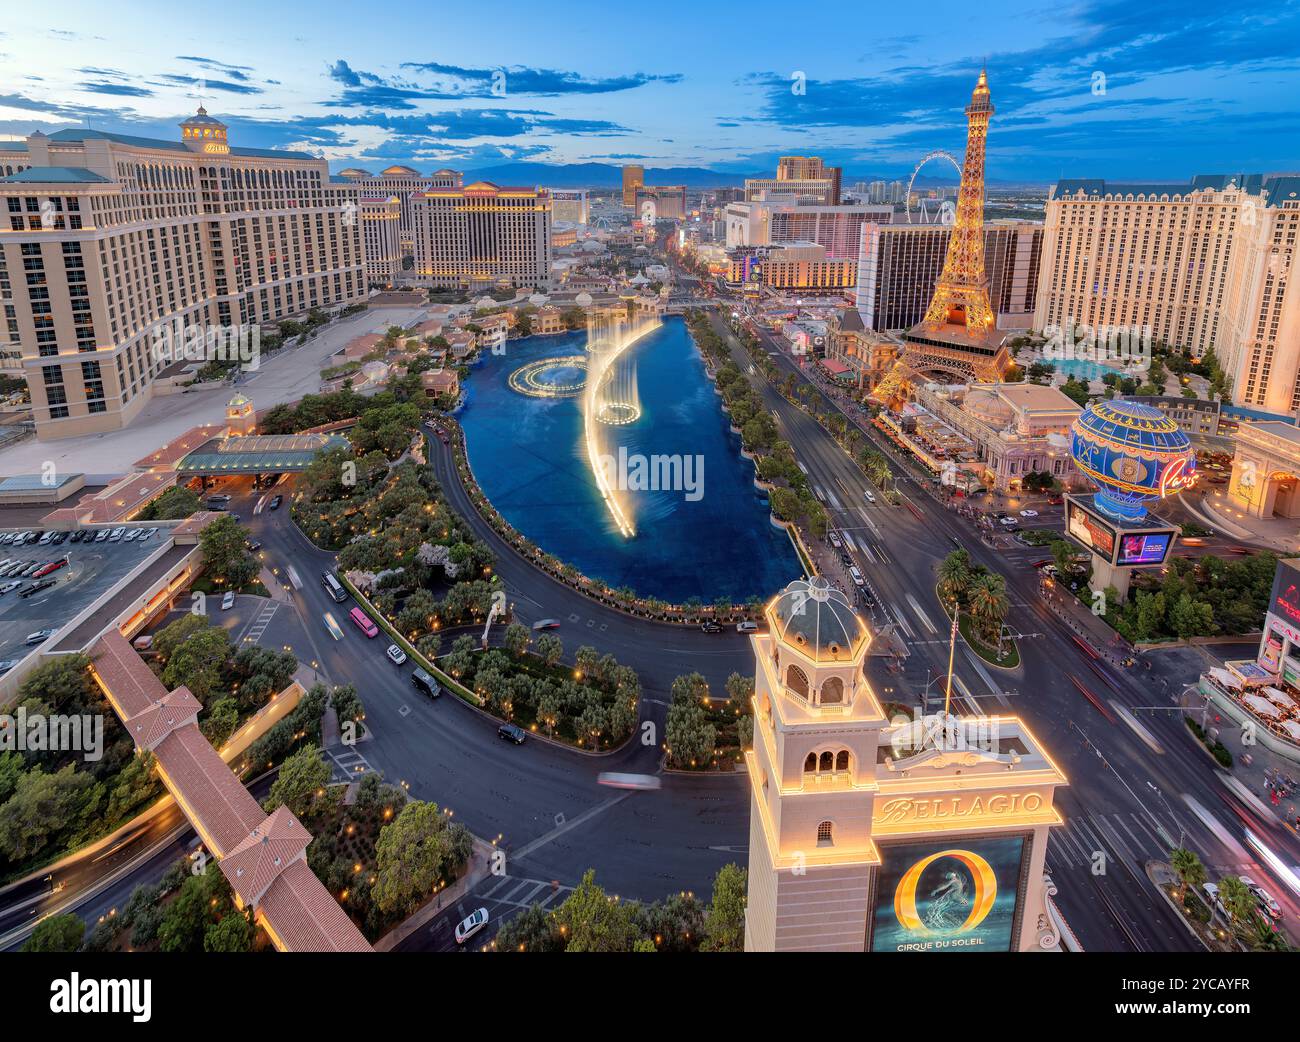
(381, 218)
(1199, 264)
(633, 178)
(403, 183)
(111, 239)
(806, 179)
(483, 235)
(899, 264)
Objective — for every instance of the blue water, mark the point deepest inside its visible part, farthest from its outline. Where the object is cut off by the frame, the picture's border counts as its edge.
(1081, 368)
(528, 457)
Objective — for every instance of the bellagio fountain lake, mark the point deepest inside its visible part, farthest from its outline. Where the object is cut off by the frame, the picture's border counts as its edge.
(610, 450)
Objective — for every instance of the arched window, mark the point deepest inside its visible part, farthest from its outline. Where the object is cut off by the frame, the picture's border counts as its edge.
(842, 760)
(832, 691)
(827, 762)
(797, 682)
(824, 837)
(810, 764)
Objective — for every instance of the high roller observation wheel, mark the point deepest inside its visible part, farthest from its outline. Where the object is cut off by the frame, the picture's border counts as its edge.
(936, 154)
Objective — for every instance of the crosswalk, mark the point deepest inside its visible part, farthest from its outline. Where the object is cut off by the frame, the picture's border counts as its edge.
(263, 619)
(349, 765)
(523, 893)
(1133, 838)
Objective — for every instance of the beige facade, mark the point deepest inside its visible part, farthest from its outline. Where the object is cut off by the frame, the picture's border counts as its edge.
(805, 179)
(1265, 478)
(798, 267)
(381, 234)
(482, 235)
(1201, 265)
(841, 799)
(117, 250)
(633, 178)
(404, 183)
(838, 228)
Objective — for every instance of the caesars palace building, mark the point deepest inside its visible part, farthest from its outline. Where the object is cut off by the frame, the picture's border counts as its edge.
(871, 834)
(105, 239)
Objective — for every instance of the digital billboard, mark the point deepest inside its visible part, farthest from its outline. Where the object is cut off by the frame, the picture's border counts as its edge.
(1092, 531)
(949, 896)
(1143, 548)
(1285, 601)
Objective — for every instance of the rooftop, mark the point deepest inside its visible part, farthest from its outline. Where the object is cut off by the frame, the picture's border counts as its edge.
(55, 175)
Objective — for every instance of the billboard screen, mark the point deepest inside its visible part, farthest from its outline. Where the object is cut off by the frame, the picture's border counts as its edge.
(1285, 601)
(1144, 548)
(961, 895)
(1091, 530)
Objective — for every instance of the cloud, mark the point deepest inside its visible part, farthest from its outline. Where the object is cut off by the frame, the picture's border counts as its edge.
(211, 84)
(123, 90)
(520, 79)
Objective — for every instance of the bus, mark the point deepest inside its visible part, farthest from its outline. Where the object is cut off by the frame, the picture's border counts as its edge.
(363, 622)
(333, 587)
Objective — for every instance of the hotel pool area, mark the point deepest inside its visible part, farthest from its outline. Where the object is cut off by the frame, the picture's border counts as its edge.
(1083, 369)
(528, 456)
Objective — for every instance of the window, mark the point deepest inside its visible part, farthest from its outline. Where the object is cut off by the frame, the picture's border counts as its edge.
(832, 692)
(842, 760)
(824, 834)
(827, 762)
(797, 682)
(810, 764)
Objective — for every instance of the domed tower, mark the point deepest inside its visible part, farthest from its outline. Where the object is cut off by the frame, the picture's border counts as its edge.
(241, 419)
(203, 133)
(875, 835)
(812, 769)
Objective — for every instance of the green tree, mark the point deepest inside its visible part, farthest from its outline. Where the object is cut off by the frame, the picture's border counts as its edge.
(740, 689)
(199, 661)
(301, 777)
(234, 933)
(532, 930)
(517, 638)
(724, 923)
(550, 648)
(414, 852)
(225, 554)
(955, 575)
(56, 933)
(592, 921)
(42, 806)
(177, 502)
(1236, 899)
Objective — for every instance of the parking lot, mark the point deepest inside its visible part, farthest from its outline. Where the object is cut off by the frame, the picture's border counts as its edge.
(91, 569)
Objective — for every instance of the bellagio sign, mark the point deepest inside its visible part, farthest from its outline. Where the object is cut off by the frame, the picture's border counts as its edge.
(911, 809)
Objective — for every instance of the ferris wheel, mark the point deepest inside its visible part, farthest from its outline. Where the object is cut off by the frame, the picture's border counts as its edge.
(936, 154)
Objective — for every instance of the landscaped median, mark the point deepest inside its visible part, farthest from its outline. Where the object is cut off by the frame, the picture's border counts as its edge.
(453, 685)
(981, 599)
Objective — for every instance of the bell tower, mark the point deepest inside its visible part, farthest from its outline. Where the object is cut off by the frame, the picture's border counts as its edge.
(868, 834)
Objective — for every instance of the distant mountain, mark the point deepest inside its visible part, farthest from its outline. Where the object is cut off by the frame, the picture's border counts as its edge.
(600, 175)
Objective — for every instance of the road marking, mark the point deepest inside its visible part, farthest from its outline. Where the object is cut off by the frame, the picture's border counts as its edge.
(898, 617)
(561, 829)
(916, 607)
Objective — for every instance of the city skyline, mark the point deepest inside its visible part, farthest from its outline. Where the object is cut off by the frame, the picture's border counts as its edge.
(1088, 92)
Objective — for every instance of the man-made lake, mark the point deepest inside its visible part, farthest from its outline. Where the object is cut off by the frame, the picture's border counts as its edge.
(529, 457)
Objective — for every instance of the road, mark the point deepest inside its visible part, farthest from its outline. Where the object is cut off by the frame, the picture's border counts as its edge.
(1114, 821)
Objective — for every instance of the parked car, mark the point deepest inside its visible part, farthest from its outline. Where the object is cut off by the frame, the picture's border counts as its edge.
(512, 733)
(856, 575)
(869, 496)
(1267, 904)
(144, 642)
(747, 627)
(59, 539)
(471, 925)
(1029, 513)
(253, 545)
(7, 665)
(835, 539)
(37, 587)
(149, 534)
(425, 683)
(228, 600)
(101, 535)
(9, 587)
(131, 536)
(709, 626)
(395, 654)
(115, 536)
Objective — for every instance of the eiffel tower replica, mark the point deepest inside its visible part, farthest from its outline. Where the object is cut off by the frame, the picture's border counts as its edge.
(958, 336)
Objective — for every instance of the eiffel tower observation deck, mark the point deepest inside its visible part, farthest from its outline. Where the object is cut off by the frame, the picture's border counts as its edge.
(958, 339)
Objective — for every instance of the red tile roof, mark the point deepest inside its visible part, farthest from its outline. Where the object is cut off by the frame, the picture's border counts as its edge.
(265, 852)
(130, 684)
(178, 448)
(207, 789)
(178, 709)
(305, 918)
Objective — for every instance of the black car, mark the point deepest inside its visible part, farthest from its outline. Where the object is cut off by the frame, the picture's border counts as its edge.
(710, 627)
(37, 587)
(426, 683)
(276, 500)
(59, 539)
(511, 733)
(253, 545)
(77, 535)
(846, 560)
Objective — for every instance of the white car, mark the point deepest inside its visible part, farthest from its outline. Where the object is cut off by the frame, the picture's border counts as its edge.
(836, 541)
(869, 496)
(1029, 513)
(115, 535)
(395, 654)
(1263, 898)
(472, 925)
(228, 601)
(7, 587)
(131, 536)
(856, 576)
(39, 637)
(747, 627)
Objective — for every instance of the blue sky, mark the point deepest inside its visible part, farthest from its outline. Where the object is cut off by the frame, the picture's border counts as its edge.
(1188, 87)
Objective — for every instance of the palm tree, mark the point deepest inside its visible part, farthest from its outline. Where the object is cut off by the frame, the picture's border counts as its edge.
(1191, 872)
(989, 604)
(1237, 900)
(954, 575)
(1263, 936)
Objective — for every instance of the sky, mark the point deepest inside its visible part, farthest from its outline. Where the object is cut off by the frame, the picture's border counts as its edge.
(1157, 90)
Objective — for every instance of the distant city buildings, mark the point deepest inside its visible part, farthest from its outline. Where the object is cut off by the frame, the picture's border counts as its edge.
(838, 228)
(796, 268)
(569, 204)
(667, 202)
(633, 178)
(482, 235)
(1201, 264)
(806, 179)
(113, 240)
